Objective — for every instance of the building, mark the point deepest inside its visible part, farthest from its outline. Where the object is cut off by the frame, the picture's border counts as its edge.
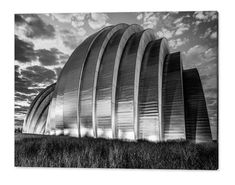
(122, 82)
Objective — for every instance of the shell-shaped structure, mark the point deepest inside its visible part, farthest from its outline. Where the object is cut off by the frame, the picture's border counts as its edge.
(121, 82)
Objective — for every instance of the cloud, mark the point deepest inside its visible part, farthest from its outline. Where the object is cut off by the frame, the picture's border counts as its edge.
(22, 83)
(28, 83)
(76, 20)
(24, 51)
(179, 20)
(165, 33)
(47, 57)
(205, 17)
(51, 57)
(181, 28)
(167, 25)
(19, 20)
(205, 59)
(34, 27)
(98, 20)
(209, 33)
(175, 43)
(139, 17)
(206, 34)
(81, 31)
(62, 17)
(39, 74)
(198, 55)
(214, 35)
(150, 20)
(70, 38)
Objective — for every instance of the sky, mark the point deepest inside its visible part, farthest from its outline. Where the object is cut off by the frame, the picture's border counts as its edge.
(44, 42)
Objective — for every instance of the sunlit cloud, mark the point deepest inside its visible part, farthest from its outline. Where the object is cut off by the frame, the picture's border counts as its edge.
(165, 33)
(98, 20)
(150, 20)
(175, 43)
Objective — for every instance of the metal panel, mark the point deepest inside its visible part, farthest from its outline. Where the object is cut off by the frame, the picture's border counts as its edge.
(147, 36)
(33, 108)
(89, 80)
(113, 49)
(50, 123)
(196, 116)
(38, 107)
(125, 95)
(150, 124)
(40, 125)
(126, 36)
(173, 99)
(64, 113)
(104, 87)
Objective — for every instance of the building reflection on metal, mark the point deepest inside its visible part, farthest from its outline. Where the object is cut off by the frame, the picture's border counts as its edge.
(122, 82)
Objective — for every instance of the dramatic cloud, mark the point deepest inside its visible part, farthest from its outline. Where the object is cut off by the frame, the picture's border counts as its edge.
(22, 84)
(27, 87)
(70, 38)
(34, 27)
(47, 57)
(51, 57)
(39, 74)
(19, 20)
(24, 51)
(98, 20)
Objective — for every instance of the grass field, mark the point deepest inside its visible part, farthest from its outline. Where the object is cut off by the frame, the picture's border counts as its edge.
(61, 151)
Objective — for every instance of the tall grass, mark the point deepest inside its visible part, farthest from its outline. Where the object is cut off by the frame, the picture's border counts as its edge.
(51, 151)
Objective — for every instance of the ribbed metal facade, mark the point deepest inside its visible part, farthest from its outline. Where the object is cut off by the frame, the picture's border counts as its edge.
(36, 118)
(121, 82)
(173, 98)
(196, 115)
